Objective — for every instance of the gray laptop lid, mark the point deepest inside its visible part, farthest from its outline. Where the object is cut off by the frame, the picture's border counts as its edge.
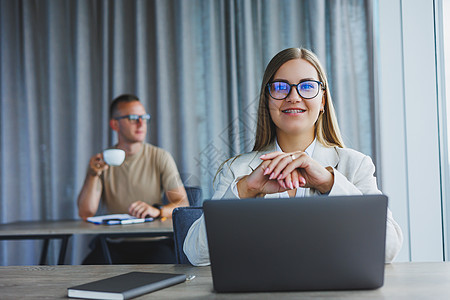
(295, 244)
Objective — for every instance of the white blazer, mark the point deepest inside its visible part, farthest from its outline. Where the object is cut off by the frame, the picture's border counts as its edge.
(353, 175)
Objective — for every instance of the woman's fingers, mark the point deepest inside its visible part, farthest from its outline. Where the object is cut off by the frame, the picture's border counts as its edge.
(270, 155)
(273, 164)
(282, 184)
(293, 170)
(298, 161)
(278, 165)
(278, 162)
(288, 182)
(263, 181)
(301, 181)
(294, 179)
(286, 168)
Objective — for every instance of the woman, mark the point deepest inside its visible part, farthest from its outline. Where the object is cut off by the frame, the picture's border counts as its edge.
(298, 149)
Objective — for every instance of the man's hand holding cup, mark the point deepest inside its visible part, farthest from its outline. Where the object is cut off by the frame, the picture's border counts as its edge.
(101, 161)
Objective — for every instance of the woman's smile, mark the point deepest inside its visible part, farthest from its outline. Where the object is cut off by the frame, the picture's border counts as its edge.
(293, 111)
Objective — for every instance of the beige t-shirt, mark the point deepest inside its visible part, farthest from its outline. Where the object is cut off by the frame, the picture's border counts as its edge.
(141, 177)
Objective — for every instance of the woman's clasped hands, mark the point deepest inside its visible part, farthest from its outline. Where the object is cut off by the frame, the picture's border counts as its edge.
(281, 171)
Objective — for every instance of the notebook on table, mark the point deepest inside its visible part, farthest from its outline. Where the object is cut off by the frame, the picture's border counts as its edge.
(125, 286)
(297, 244)
(118, 219)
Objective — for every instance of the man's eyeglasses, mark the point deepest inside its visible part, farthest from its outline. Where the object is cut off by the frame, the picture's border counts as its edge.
(307, 89)
(134, 119)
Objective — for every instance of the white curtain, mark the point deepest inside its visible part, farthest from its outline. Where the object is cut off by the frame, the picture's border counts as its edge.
(196, 65)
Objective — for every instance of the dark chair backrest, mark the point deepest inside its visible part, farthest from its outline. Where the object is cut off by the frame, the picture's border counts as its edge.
(194, 194)
(182, 218)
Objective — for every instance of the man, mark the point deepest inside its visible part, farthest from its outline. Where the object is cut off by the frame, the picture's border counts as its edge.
(136, 186)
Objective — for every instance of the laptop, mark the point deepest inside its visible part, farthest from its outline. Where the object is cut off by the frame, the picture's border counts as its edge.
(297, 244)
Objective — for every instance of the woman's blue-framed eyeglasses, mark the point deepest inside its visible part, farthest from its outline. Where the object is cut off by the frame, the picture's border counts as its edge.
(307, 89)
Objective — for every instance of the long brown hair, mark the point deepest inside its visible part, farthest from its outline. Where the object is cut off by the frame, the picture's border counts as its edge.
(326, 128)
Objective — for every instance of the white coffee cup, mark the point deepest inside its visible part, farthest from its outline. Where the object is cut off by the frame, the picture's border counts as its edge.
(114, 157)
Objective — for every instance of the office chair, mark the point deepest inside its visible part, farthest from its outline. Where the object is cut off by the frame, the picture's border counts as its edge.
(182, 218)
(194, 194)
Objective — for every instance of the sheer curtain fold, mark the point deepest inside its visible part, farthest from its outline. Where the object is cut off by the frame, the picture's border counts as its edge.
(196, 65)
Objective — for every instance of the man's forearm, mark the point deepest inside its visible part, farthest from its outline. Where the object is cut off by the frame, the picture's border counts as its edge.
(89, 197)
(176, 198)
(166, 210)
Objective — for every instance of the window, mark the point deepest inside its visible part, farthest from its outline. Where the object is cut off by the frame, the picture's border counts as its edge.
(445, 122)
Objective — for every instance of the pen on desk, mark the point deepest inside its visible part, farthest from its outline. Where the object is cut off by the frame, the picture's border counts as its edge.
(133, 221)
(190, 277)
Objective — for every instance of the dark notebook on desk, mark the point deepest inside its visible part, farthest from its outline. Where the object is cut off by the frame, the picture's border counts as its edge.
(312, 243)
(125, 286)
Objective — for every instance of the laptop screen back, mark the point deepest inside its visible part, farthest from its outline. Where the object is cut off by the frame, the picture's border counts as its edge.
(312, 243)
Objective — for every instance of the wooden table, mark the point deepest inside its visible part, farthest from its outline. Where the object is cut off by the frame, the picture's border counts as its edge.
(47, 230)
(402, 281)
